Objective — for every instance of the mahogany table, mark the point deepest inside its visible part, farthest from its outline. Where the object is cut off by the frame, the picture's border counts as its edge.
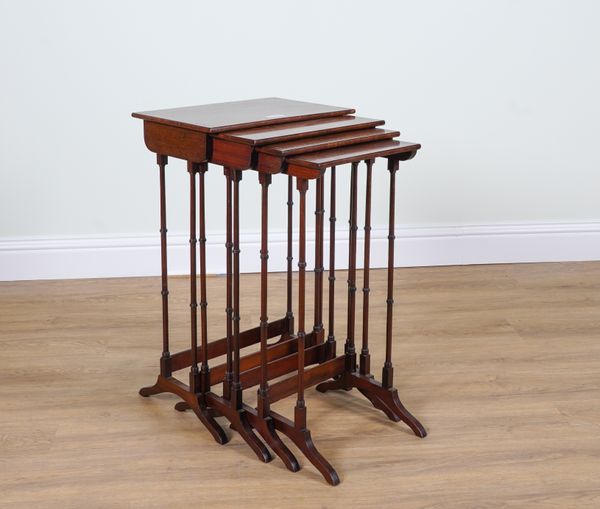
(302, 141)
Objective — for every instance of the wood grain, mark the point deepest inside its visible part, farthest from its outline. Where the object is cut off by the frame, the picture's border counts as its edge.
(219, 117)
(353, 153)
(271, 157)
(501, 363)
(259, 136)
(175, 142)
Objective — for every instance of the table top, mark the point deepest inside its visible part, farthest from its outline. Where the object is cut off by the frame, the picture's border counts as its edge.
(297, 130)
(354, 153)
(220, 117)
(329, 141)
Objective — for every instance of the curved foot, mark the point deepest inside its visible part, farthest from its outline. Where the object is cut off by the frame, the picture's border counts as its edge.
(406, 417)
(304, 442)
(182, 406)
(151, 390)
(242, 426)
(333, 385)
(266, 428)
(213, 426)
(388, 401)
(380, 405)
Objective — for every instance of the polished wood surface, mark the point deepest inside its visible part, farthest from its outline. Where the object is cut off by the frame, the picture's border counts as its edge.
(354, 153)
(296, 130)
(315, 144)
(219, 117)
(272, 157)
(177, 142)
(236, 149)
(235, 152)
(502, 363)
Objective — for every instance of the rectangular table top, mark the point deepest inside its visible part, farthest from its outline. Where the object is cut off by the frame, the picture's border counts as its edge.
(219, 117)
(329, 141)
(326, 158)
(296, 130)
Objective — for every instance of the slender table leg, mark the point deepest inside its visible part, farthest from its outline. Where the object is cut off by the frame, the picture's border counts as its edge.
(290, 215)
(204, 369)
(343, 382)
(300, 410)
(382, 395)
(385, 396)
(236, 388)
(350, 348)
(263, 422)
(387, 378)
(198, 406)
(237, 415)
(365, 358)
(194, 373)
(332, 219)
(297, 430)
(165, 359)
(229, 306)
(165, 368)
(263, 391)
(319, 213)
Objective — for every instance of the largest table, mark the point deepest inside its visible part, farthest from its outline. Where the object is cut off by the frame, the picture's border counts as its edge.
(303, 142)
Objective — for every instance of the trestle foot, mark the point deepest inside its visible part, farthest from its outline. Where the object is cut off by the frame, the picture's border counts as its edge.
(303, 440)
(266, 429)
(152, 389)
(211, 424)
(204, 413)
(239, 423)
(386, 400)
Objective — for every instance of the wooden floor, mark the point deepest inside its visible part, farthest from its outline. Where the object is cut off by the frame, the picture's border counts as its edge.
(501, 364)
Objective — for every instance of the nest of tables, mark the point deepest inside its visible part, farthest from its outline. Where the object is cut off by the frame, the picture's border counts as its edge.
(302, 142)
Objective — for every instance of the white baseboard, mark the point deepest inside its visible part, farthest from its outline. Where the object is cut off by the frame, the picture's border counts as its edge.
(139, 255)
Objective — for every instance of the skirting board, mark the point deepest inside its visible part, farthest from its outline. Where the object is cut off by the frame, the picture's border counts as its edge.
(139, 255)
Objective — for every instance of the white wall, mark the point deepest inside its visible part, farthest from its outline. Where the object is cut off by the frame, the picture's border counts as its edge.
(503, 96)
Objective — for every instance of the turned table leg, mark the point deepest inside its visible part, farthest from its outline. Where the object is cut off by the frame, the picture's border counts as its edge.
(365, 358)
(318, 290)
(229, 285)
(263, 423)
(297, 430)
(165, 359)
(290, 258)
(237, 414)
(200, 409)
(330, 351)
(382, 395)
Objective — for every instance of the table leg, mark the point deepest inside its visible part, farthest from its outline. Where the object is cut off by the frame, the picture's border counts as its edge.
(229, 285)
(193, 169)
(382, 395)
(204, 369)
(261, 421)
(236, 414)
(290, 215)
(331, 278)
(365, 358)
(165, 359)
(318, 302)
(350, 348)
(297, 430)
